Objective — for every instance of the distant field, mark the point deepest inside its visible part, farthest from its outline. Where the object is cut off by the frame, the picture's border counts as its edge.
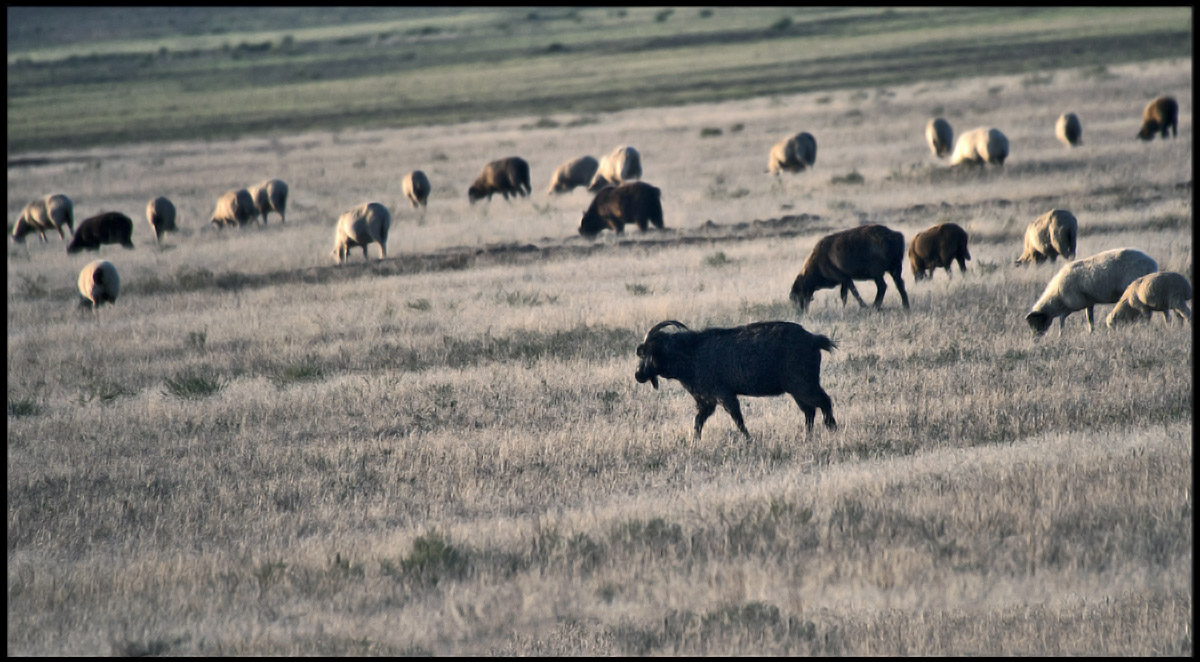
(110, 76)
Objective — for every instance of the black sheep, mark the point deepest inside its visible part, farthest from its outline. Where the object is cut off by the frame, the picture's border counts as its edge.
(505, 176)
(614, 206)
(717, 365)
(939, 246)
(111, 227)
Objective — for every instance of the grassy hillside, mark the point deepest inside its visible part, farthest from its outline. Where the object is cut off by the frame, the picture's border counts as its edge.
(92, 76)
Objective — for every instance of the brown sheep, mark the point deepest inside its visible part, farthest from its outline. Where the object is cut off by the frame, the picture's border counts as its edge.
(795, 154)
(614, 206)
(1159, 115)
(1050, 235)
(866, 252)
(160, 213)
(504, 176)
(940, 137)
(939, 246)
(416, 188)
(576, 172)
(1068, 130)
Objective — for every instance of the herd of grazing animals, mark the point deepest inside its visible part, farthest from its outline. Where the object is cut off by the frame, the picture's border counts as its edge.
(717, 365)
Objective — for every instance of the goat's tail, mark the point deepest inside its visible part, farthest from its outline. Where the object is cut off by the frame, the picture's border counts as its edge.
(823, 342)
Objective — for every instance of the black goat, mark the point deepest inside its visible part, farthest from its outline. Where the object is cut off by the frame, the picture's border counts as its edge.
(717, 365)
(866, 252)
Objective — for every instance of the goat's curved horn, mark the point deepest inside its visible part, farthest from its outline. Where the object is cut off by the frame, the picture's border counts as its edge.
(661, 325)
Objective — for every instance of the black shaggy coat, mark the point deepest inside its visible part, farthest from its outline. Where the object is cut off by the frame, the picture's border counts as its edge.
(760, 359)
(505, 176)
(866, 252)
(111, 227)
(614, 206)
(939, 246)
(1160, 115)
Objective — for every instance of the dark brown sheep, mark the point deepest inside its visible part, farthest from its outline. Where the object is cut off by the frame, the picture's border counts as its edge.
(505, 176)
(614, 206)
(111, 227)
(760, 359)
(1159, 115)
(866, 252)
(939, 246)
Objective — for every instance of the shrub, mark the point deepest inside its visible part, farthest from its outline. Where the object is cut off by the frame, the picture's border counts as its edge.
(193, 384)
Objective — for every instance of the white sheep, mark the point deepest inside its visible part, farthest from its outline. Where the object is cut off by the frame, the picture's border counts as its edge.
(1068, 130)
(366, 224)
(1050, 235)
(1163, 291)
(1080, 285)
(979, 146)
(940, 136)
(99, 284)
(576, 172)
(234, 208)
(416, 188)
(49, 213)
(622, 165)
(160, 213)
(270, 196)
(795, 154)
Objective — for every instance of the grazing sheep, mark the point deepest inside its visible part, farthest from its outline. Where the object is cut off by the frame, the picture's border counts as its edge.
(1068, 130)
(99, 284)
(504, 176)
(49, 213)
(760, 359)
(366, 224)
(866, 252)
(270, 196)
(623, 164)
(576, 172)
(795, 154)
(1050, 235)
(1080, 285)
(416, 188)
(160, 213)
(940, 137)
(1160, 115)
(111, 227)
(939, 246)
(979, 146)
(614, 206)
(1163, 291)
(234, 208)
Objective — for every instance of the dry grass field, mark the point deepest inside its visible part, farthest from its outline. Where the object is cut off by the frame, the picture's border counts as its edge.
(256, 452)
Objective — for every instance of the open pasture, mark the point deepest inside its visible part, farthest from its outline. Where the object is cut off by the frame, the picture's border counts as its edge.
(256, 452)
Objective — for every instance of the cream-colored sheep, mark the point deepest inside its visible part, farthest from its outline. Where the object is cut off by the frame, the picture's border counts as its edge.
(416, 188)
(160, 213)
(795, 154)
(940, 137)
(99, 284)
(1068, 130)
(1080, 285)
(1050, 235)
(979, 146)
(234, 208)
(576, 172)
(49, 213)
(1161, 291)
(366, 224)
(270, 196)
(624, 164)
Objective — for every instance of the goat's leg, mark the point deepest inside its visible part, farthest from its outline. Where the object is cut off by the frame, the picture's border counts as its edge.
(899, 281)
(849, 285)
(704, 409)
(880, 288)
(730, 402)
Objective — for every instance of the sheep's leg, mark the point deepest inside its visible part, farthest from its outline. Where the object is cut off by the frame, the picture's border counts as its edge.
(899, 281)
(730, 402)
(849, 285)
(1090, 312)
(704, 409)
(962, 265)
(1184, 312)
